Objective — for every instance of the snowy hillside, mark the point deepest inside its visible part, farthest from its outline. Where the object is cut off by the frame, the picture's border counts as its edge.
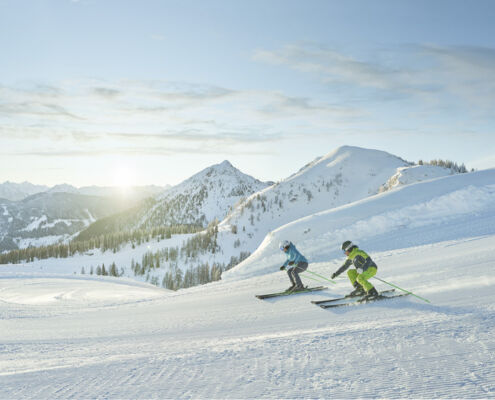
(67, 336)
(408, 216)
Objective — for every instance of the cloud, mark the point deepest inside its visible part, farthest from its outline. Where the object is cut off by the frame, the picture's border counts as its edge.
(452, 77)
(37, 110)
(139, 151)
(106, 92)
(147, 115)
(242, 136)
(282, 105)
(466, 72)
(330, 65)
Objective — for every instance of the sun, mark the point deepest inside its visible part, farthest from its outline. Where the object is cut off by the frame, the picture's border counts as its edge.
(123, 177)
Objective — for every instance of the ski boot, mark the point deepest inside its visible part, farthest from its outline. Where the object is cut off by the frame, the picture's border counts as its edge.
(372, 294)
(298, 288)
(358, 291)
(291, 288)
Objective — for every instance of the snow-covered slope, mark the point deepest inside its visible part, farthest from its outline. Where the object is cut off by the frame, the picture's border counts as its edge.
(415, 173)
(66, 336)
(345, 175)
(411, 215)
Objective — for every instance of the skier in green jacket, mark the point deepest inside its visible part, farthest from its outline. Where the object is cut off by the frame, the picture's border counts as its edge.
(365, 269)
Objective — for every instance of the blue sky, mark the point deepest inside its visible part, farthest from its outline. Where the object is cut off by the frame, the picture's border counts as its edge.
(140, 92)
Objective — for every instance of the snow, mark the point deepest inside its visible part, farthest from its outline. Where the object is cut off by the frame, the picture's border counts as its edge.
(24, 243)
(415, 173)
(65, 338)
(73, 336)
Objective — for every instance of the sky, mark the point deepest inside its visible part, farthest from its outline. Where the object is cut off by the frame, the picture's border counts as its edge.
(119, 92)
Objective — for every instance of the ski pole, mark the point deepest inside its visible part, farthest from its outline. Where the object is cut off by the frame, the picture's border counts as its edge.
(314, 279)
(406, 291)
(321, 276)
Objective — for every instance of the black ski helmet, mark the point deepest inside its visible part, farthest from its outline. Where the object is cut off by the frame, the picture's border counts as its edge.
(347, 246)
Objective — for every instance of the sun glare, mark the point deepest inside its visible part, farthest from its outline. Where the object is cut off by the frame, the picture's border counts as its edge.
(123, 177)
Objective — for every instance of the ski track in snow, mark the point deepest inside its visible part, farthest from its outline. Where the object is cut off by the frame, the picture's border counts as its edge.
(218, 341)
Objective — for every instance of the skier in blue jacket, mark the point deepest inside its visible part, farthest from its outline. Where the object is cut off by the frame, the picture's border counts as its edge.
(297, 263)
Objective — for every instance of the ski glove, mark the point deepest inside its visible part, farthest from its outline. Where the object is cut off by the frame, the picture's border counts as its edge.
(282, 268)
(334, 275)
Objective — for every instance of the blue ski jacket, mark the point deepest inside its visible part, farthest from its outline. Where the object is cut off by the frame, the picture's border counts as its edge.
(293, 256)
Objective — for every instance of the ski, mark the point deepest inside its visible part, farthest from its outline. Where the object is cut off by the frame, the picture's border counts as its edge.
(363, 301)
(348, 297)
(289, 293)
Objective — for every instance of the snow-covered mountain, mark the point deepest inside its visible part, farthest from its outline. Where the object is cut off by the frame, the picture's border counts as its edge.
(204, 197)
(17, 191)
(63, 188)
(343, 176)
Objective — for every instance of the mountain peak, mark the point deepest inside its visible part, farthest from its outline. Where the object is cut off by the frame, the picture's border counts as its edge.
(63, 188)
(225, 163)
(223, 166)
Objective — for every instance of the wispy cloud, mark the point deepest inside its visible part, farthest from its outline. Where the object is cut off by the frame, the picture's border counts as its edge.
(99, 112)
(106, 92)
(330, 65)
(439, 75)
(37, 110)
(200, 137)
(137, 151)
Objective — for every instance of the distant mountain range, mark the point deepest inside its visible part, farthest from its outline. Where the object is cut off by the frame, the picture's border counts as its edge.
(55, 214)
(246, 208)
(19, 191)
